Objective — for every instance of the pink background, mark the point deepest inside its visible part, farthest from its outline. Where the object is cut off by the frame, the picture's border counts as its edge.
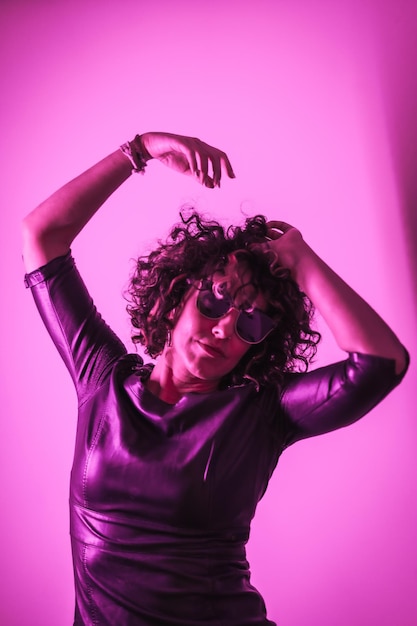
(315, 102)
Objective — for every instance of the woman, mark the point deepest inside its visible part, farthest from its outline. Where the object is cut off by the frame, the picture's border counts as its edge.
(171, 459)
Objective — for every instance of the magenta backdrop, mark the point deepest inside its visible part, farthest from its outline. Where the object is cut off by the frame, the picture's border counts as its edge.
(307, 98)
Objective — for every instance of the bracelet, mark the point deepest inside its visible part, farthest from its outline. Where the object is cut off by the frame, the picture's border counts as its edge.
(134, 152)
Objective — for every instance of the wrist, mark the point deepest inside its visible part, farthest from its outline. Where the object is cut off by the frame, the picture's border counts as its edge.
(303, 265)
(137, 154)
(140, 142)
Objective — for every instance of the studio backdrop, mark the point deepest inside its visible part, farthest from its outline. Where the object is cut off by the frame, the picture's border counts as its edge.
(314, 101)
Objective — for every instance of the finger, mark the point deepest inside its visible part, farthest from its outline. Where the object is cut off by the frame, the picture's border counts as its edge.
(190, 155)
(277, 225)
(199, 153)
(201, 156)
(260, 247)
(226, 165)
(203, 165)
(220, 160)
(218, 156)
(220, 164)
(214, 163)
(198, 164)
(207, 169)
(272, 234)
(201, 172)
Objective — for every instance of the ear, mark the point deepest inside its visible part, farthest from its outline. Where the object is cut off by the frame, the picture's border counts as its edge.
(174, 314)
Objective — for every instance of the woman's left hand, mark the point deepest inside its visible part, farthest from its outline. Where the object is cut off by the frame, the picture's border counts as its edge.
(355, 326)
(286, 244)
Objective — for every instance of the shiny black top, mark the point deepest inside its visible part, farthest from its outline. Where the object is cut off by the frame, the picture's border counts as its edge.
(162, 495)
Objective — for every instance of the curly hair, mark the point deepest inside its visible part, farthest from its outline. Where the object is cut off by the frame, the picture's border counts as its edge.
(194, 250)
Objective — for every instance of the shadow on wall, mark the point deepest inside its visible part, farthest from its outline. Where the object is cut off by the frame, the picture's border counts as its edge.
(398, 63)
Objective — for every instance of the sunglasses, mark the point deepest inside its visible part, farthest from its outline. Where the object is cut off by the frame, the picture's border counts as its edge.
(251, 326)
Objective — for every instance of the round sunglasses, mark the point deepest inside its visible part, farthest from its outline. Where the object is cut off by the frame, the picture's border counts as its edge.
(252, 326)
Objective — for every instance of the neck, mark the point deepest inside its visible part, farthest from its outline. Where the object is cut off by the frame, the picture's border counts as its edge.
(170, 385)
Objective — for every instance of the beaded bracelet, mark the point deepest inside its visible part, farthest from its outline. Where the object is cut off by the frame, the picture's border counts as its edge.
(133, 151)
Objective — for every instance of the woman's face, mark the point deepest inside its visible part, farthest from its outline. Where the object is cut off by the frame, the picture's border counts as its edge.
(204, 349)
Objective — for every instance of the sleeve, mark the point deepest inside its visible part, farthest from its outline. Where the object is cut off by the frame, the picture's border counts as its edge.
(87, 345)
(336, 395)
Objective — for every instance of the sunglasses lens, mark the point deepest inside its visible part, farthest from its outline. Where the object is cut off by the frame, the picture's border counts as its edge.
(254, 327)
(210, 306)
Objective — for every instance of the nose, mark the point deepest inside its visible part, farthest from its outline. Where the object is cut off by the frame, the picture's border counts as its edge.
(225, 326)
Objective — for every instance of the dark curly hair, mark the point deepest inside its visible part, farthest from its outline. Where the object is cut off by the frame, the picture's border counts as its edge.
(194, 250)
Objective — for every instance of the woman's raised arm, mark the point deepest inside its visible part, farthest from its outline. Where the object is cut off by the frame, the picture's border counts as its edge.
(354, 324)
(49, 230)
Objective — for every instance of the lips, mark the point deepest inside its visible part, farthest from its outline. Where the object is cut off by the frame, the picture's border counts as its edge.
(211, 350)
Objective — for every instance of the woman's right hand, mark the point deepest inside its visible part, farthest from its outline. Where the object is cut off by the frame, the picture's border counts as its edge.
(188, 155)
(48, 231)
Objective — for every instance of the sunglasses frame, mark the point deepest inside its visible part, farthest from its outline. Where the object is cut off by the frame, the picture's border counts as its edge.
(206, 286)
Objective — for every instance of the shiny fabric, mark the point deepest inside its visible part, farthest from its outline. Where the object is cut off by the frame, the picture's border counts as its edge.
(162, 496)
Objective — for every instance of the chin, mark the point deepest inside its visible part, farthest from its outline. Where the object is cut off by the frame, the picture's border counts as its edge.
(207, 372)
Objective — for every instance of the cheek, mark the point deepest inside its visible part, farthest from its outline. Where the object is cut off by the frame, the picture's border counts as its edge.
(187, 326)
(238, 349)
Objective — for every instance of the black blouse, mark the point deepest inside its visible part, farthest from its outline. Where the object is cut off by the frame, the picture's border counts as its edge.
(162, 496)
